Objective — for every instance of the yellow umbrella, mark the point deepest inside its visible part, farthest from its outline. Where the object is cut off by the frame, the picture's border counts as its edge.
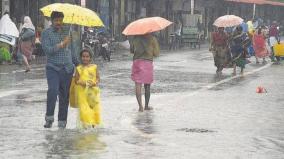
(74, 14)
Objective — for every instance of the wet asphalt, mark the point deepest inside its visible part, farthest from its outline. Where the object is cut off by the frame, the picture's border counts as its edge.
(196, 114)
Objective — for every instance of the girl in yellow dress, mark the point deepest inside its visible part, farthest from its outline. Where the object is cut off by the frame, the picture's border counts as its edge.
(87, 91)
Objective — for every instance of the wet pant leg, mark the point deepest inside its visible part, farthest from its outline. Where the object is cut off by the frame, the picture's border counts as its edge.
(64, 86)
(53, 88)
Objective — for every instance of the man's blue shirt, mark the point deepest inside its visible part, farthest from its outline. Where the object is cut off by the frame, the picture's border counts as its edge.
(58, 58)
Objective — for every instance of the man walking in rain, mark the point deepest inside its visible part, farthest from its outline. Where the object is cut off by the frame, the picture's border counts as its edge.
(59, 69)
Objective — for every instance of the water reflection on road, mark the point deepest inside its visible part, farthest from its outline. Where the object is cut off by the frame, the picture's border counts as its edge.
(72, 143)
(144, 122)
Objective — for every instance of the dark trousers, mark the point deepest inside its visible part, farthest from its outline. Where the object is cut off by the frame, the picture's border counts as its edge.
(105, 53)
(58, 85)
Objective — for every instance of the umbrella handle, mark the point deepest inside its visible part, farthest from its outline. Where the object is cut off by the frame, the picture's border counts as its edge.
(69, 34)
(70, 28)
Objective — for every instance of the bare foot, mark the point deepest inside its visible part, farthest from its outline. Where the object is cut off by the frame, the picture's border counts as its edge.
(219, 73)
(276, 63)
(28, 69)
(148, 108)
(140, 109)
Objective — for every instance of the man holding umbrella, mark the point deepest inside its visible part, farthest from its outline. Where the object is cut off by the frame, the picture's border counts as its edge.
(56, 44)
(59, 68)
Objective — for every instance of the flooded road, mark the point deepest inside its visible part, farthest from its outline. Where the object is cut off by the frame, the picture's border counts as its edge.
(196, 114)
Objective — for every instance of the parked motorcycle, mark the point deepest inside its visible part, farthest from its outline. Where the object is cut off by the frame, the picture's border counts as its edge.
(91, 41)
(100, 43)
(105, 50)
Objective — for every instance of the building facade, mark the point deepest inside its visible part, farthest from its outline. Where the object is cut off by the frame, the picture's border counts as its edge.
(116, 14)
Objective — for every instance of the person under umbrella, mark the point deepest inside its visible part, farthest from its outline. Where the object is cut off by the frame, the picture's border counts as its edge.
(144, 48)
(238, 49)
(56, 44)
(220, 49)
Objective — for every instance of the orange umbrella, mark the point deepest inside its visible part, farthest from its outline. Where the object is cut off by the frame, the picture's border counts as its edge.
(146, 25)
(249, 1)
(228, 21)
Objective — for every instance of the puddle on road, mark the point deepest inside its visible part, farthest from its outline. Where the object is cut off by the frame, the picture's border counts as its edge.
(11, 80)
(239, 81)
(144, 122)
(22, 96)
(196, 130)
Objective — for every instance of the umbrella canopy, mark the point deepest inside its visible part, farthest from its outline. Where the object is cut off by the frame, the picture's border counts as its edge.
(228, 21)
(249, 1)
(74, 14)
(146, 25)
(274, 3)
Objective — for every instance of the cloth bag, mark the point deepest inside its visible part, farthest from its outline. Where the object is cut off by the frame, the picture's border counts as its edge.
(5, 55)
(27, 34)
(72, 94)
(278, 49)
(93, 97)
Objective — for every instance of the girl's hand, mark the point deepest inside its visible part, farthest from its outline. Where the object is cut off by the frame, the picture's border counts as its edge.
(94, 85)
(83, 84)
(90, 83)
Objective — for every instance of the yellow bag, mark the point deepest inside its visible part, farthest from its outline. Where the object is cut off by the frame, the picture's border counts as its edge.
(278, 49)
(72, 96)
(93, 96)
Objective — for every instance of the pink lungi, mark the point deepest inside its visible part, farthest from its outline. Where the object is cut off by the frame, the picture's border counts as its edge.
(142, 71)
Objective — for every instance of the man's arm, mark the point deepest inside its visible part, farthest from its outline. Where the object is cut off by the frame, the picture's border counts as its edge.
(156, 51)
(130, 40)
(212, 42)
